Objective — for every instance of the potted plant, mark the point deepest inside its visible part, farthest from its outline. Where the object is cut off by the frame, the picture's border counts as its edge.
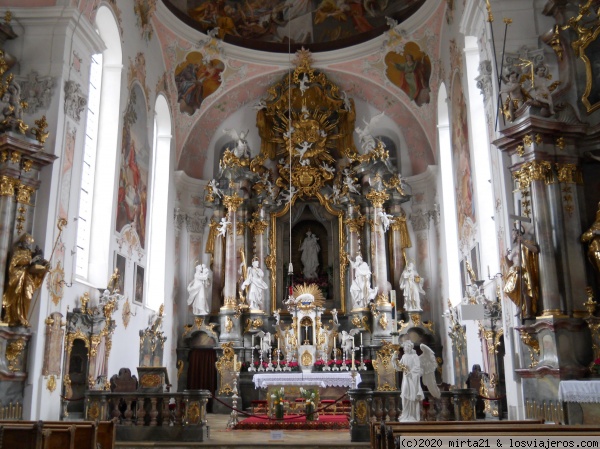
(277, 400)
(309, 397)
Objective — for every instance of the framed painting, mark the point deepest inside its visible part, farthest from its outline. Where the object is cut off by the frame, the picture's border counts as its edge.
(138, 292)
(589, 52)
(121, 264)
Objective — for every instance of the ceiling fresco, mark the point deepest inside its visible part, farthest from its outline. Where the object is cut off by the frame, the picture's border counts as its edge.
(283, 25)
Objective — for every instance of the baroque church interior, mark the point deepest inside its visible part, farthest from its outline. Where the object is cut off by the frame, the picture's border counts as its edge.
(199, 196)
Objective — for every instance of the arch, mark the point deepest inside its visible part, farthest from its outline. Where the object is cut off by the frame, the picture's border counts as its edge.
(198, 148)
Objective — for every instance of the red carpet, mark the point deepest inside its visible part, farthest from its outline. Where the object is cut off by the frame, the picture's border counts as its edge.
(325, 422)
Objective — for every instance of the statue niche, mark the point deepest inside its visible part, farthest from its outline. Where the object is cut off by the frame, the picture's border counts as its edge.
(324, 227)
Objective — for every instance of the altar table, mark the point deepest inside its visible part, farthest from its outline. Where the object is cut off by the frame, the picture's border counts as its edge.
(292, 382)
(582, 401)
(322, 380)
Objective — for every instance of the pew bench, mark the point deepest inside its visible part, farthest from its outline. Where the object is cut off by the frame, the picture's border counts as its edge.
(57, 435)
(385, 436)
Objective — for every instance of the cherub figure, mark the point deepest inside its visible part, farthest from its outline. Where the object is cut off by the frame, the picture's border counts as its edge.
(304, 147)
(287, 195)
(347, 341)
(222, 228)
(349, 182)
(386, 220)
(303, 83)
(512, 95)
(541, 88)
(215, 188)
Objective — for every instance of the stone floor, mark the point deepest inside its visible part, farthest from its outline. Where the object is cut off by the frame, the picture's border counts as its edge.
(222, 438)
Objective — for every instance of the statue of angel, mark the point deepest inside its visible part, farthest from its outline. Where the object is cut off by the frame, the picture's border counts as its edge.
(222, 228)
(413, 368)
(349, 182)
(277, 316)
(347, 341)
(386, 220)
(265, 343)
(334, 316)
(262, 104)
(241, 149)
(328, 168)
(287, 195)
(346, 100)
(289, 132)
(367, 141)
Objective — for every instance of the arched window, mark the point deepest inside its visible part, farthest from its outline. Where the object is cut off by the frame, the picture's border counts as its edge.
(454, 289)
(100, 152)
(159, 201)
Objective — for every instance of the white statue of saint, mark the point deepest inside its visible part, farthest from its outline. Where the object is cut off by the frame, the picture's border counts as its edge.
(361, 290)
(310, 255)
(199, 292)
(256, 285)
(265, 344)
(411, 285)
(413, 368)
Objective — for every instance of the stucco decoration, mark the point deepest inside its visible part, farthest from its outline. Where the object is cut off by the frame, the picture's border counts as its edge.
(144, 10)
(37, 91)
(137, 71)
(75, 100)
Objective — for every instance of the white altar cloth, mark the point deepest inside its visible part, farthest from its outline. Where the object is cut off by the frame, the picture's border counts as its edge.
(579, 391)
(322, 380)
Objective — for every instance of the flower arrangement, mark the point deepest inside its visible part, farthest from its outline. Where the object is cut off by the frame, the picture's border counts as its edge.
(277, 397)
(309, 396)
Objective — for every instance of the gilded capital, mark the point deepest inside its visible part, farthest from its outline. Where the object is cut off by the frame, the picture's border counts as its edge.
(377, 197)
(355, 224)
(258, 227)
(24, 193)
(232, 202)
(7, 186)
(568, 173)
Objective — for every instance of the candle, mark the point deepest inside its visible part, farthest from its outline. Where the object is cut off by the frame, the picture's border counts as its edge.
(334, 339)
(352, 359)
(489, 277)
(235, 362)
(253, 340)
(278, 343)
(361, 339)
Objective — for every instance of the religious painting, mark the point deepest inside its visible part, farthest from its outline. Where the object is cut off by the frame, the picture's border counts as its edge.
(196, 79)
(475, 261)
(274, 24)
(121, 264)
(461, 161)
(410, 71)
(138, 295)
(590, 54)
(134, 166)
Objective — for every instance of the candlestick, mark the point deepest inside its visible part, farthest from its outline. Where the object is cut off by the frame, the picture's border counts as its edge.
(361, 339)
(235, 362)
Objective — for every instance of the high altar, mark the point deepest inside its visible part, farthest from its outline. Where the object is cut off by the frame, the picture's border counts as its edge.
(323, 225)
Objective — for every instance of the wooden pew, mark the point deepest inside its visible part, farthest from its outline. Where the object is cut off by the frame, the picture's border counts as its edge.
(384, 436)
(106, 435)
(57, 435)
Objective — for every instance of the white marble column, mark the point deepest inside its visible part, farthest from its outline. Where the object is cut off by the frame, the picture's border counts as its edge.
(379, 261)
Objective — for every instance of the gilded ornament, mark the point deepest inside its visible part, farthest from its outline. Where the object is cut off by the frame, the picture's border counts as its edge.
(377, 198)
(416, 319)
(383, 321)
(151, 380)
(180, 366)
(93, 412)
(361, 323)
(24, 193)
(361, 412)
(532, 344)
(15, 157)
(568, 173)
(232, 202)
(193, 412)
(40, 131)
(27, 165)
(126, 313)
(229, 159)
(51, 383)
(520, 150)
(198, 322)
(527, 140)
(253, 324)
(466, 410)
(560, 143)
(7, 186)
(228, 324)
(55, 283)
(306, 358)
(429, 326)
(395, 182)
(538, 138)
(13, 353)
(355, 224)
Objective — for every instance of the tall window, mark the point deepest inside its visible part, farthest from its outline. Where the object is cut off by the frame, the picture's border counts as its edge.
(89, 166)
(97, 201)
(159, 201)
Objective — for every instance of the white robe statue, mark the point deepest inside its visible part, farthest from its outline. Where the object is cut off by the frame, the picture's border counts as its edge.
(256, 286)
(361, 290)
(310, 255)
(199, 292)
(411, 285)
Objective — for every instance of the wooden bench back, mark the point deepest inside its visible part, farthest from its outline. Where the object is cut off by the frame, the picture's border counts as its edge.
(57, 435)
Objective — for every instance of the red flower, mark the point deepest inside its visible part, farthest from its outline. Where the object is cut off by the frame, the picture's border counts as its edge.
(597, 361)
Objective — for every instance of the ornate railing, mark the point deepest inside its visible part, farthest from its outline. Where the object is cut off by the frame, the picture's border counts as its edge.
(157, 416)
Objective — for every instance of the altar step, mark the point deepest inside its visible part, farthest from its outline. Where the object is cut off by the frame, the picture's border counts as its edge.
(221, 438)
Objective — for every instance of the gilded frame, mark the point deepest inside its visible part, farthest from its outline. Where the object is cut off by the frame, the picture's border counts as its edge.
(273, 257)
(591, 46)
